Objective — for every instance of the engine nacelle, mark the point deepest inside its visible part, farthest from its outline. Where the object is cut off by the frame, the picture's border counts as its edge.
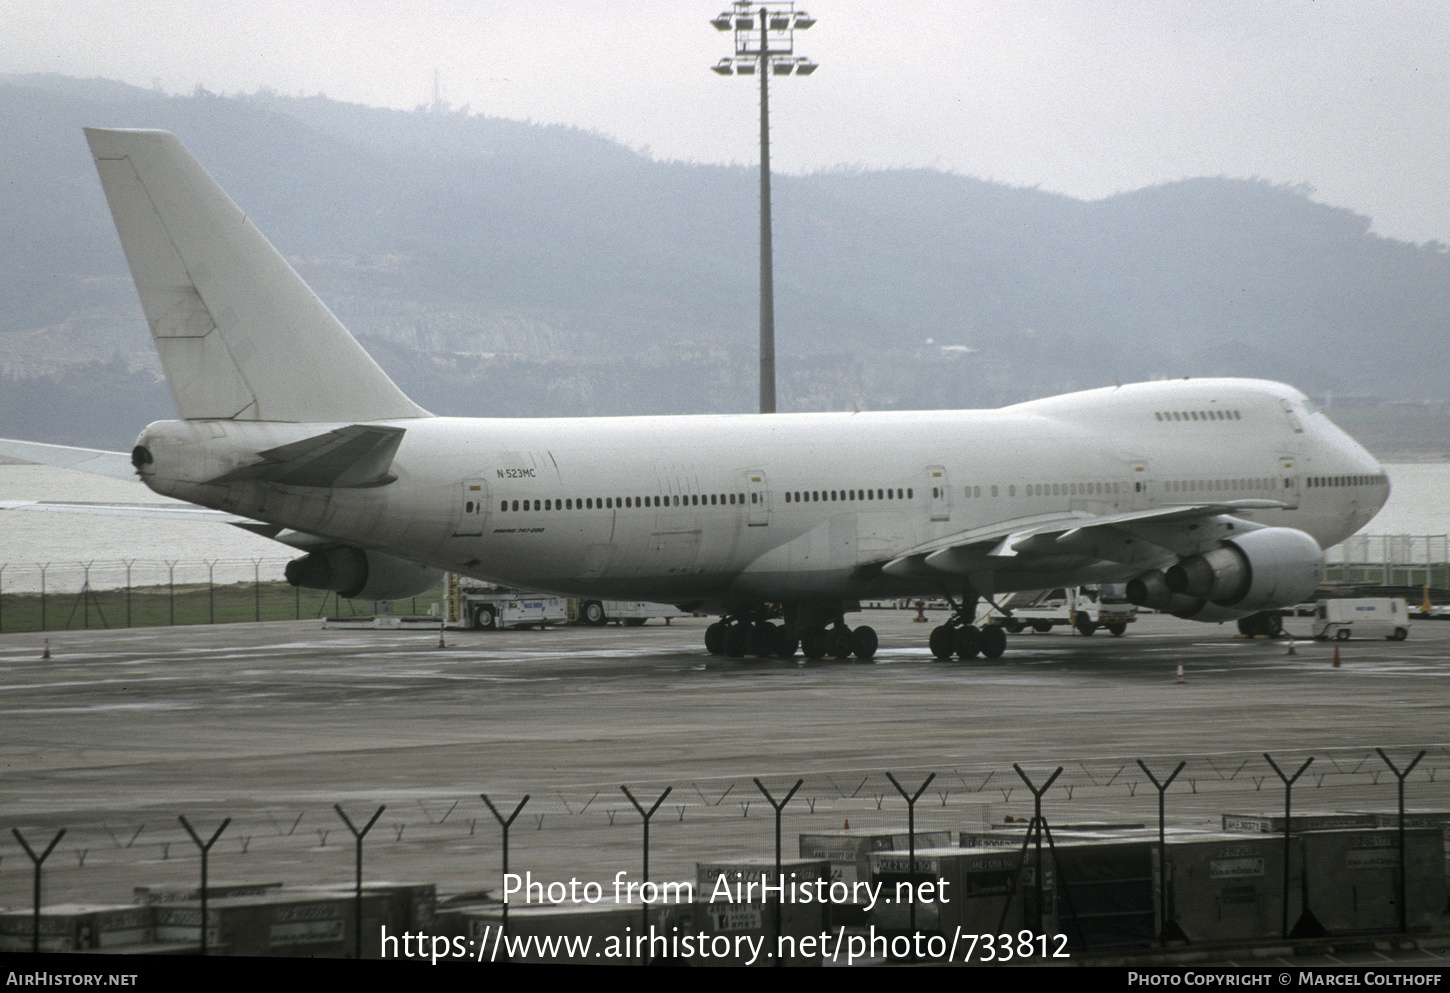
(1257, 570)
(361, 575)
(1151, 590)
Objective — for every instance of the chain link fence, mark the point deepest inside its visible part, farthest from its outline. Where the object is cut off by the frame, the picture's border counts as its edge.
(1392, 559)
(46, 596)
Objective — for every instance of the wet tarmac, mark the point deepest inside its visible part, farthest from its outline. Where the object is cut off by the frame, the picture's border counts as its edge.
(121, 731)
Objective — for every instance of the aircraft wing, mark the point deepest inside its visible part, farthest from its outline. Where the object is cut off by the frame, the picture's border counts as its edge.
(1060, 540)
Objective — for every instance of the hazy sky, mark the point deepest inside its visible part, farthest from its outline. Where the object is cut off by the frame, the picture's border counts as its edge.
(1084, 98)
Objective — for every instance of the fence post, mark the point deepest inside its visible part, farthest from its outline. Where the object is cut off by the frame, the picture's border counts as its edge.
(1162, 788)
(779, 875)
(911, 799)
(505, 823)
(357, 837)
(205, 855)
(644, 905)
(36, 862)
(1400, 777)
(1288, 808)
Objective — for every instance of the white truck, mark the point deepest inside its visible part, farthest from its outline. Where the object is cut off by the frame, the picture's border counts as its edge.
(1362, 617)
(1084, 608)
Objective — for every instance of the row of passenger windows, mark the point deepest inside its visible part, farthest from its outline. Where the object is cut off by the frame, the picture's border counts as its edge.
(699, 500)
(1218, 485)
(907, 493)
(625, 503)
(797, 496)
(1355, 480)
(1069, 489)
(1198, 415)
(828, 496)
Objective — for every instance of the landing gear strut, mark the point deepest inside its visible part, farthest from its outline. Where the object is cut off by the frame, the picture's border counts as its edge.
(961, 638)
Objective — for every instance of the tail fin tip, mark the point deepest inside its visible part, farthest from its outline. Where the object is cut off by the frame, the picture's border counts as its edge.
(240, 334)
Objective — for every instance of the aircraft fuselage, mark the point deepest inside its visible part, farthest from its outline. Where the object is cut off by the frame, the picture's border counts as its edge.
(715, 509)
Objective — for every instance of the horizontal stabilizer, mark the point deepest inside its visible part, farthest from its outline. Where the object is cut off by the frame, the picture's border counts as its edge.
(117, 465)
(152, 511)
(355, 456)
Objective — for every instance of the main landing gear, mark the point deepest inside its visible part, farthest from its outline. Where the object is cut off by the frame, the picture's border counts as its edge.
(739, 636)
(1269, 623)
(961, 638)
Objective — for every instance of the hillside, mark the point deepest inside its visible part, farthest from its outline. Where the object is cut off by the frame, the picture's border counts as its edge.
(502, 268)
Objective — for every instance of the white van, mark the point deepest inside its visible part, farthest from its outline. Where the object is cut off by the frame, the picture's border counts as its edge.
(1362, 618)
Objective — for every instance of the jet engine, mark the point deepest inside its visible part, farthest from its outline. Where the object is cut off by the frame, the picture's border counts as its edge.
(361, 575)
(1257, 570)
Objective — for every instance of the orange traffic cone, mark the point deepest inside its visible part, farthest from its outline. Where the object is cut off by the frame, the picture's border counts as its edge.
(847, 825)
(1291, 647)
(1180, 671)
(45, 653)
(441, 642)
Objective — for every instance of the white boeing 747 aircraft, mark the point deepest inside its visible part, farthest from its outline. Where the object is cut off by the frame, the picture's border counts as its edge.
(1212, 499)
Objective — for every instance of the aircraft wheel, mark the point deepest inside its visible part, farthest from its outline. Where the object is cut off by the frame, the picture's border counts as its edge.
(993, 641)
(715, 638)
(737, 637)
(969, 641)
(484, 618)
(1117, 630)
(838, 642)
(943, 644)
(786, 644)
(1272, 624)
(864, 643)
(813, 643)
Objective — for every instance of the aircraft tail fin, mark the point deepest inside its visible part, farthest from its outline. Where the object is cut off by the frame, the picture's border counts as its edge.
(240, 335)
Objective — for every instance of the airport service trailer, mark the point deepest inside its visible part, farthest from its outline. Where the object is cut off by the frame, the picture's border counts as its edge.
(1363, 617)
(489, 608)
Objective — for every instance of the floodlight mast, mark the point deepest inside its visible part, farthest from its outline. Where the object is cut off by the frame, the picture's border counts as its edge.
(765, 45)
